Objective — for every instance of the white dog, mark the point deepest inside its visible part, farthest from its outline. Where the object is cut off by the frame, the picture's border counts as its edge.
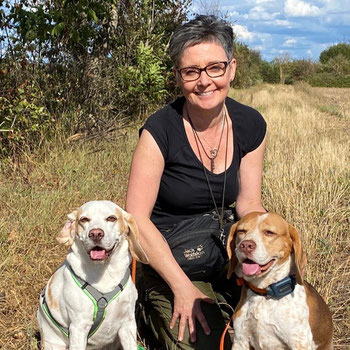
(278, 310)
(89, 302)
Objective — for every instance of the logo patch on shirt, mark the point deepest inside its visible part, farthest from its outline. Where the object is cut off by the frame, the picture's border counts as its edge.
(194, 253)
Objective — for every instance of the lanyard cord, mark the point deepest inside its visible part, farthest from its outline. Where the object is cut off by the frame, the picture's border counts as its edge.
(196, 137)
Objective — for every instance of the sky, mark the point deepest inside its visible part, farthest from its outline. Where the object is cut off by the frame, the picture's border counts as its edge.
(276, 28)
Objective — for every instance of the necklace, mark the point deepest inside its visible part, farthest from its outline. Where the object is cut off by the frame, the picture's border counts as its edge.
(220, 216)
(214, 151)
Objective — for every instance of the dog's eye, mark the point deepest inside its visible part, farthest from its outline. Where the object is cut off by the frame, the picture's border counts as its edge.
(111, 218)
(84, 219)
(269, 233)
(241, 232)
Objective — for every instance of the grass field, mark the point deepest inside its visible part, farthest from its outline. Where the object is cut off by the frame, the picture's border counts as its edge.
(306, 179)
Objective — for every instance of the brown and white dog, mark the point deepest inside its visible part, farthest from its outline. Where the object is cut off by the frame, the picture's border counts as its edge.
(89, 302)
(277, 309)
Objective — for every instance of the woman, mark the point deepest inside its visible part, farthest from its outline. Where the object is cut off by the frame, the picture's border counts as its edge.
(185, 152)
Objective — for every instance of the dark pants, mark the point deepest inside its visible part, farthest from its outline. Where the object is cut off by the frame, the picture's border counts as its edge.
(156, 304)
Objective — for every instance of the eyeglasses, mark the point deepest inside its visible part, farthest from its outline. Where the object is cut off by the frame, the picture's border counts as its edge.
(213, 70)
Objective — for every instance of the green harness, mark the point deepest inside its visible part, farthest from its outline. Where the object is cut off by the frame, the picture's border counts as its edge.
(100, 301)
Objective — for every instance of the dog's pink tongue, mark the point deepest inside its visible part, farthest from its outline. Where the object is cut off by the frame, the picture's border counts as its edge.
(98, 254)
(250, 268)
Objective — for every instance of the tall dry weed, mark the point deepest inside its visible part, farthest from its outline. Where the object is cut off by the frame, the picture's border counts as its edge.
(306, 179)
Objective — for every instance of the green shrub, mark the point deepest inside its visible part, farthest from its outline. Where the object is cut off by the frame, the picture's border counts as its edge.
(335, 50)
(248, 63)
(325, 79)
(301, 70)
(270, 72)
(97, 64)
(143, 83)
(339, 65)
(23, 120)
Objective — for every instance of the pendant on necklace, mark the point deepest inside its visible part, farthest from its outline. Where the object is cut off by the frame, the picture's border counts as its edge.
(212, 165)
(214, 152)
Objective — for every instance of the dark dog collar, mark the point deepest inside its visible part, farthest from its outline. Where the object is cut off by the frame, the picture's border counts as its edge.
(276, 290)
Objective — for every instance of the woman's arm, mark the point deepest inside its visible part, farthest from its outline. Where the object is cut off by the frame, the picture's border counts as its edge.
(145, 175)
(250, 174)
(146, 171)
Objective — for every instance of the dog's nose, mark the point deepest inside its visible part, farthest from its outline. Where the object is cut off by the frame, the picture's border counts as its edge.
(96, 234)
(247, 247)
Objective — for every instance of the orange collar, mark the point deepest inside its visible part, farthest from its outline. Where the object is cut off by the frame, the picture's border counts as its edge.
(241, 282)
(276, 290)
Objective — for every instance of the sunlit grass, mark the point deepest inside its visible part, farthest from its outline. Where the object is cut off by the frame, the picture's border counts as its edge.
(307, 180)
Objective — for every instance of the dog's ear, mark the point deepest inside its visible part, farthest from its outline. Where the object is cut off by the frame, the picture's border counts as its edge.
(133, 238)
(231, 246)
(299, 254)
(67, 234)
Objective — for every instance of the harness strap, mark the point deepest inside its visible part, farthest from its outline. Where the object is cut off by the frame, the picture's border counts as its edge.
(45, 307)
(100, 301)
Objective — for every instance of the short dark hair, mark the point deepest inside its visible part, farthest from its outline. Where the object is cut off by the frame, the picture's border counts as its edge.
(200, 30)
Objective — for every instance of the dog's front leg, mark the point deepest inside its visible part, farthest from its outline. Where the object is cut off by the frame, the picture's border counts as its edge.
(240, 345)
(127, 336)
(78, 334)
(303, 345)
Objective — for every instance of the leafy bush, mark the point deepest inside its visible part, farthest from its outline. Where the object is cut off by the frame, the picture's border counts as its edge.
(248, 66)
(301, 70)
(93, 64)
(338, 65)
(270, 72)
(335, 50)
(24, 120)
(325, 79)
(335, 68)
(143, 83)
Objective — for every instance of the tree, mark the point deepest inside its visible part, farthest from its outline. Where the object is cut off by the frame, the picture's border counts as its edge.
(302, 70)
(282, 62)
(84, 65)
(334, 70)
(87, 41)
(270, 72)
(248, 66)
(335, 50)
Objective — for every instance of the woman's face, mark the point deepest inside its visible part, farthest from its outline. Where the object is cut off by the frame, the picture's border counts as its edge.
(205, 93)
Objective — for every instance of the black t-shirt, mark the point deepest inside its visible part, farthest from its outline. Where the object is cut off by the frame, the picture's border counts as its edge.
(184, 190)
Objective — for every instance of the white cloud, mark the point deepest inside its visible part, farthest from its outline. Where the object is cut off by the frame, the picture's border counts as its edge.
(281, 23)
(258, 47)
(299, 8)
(259, 13)
(242, 32)
(271, 25)
(263, 1)
(309, 53)
(290, 42)
(233, 14)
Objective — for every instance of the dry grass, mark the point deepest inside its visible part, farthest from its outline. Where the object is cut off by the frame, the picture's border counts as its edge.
(34, 202)
(306, 179)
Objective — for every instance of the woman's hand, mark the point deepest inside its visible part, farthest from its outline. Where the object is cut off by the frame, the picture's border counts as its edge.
(187, 309)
